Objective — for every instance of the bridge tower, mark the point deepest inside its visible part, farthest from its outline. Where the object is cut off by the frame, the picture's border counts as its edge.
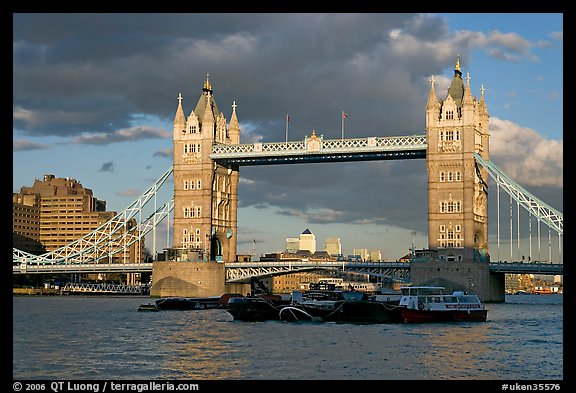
(205, 203)
(456, 127)
(205, 193)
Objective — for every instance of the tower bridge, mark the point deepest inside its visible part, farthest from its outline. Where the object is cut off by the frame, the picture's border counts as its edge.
(208, 154)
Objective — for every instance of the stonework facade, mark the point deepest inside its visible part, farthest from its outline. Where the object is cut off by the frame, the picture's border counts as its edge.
(456, 128)
(205, 193)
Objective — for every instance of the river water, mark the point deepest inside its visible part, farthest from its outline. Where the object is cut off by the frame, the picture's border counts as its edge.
(106, 338)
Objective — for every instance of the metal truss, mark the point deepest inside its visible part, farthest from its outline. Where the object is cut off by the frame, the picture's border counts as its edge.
(241, 272)
(82, 268)
(103, 288)
(112, 237)
(317, 149)
(552, 217)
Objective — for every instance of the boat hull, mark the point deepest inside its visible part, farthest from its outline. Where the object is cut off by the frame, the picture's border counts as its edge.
(356, 311)
(370, 312)
(251, 309)
(188, 303)
(422, 316)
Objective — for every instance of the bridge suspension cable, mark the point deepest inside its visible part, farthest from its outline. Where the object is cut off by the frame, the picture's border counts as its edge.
(112, 237)
(535, 207)
(552, 217)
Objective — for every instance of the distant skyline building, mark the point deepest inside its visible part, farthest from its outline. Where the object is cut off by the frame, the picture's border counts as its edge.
(333, 246)
(363, 253)
(308, 241)
(375, 255)
(292, 244)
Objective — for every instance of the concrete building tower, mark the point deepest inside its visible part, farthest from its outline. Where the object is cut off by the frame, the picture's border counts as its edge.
(308, 241)
(456, 128)
(205, 193)
(333, 246)
(292, 244)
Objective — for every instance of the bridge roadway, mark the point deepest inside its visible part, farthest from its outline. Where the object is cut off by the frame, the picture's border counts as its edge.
(242, 271)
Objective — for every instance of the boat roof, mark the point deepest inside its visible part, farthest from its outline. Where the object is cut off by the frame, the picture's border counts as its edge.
(422, 287)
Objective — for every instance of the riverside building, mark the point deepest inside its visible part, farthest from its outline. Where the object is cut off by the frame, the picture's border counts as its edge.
(55, 212)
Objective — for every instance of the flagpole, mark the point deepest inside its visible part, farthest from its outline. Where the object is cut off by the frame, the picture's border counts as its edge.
(342, 125)
(287, 119)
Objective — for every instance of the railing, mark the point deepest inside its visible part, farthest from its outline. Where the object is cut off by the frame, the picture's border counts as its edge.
(319, 145)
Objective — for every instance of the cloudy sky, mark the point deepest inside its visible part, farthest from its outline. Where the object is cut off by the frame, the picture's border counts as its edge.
(94, 96)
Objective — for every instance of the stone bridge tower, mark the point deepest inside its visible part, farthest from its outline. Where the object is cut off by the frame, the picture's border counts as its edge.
(456, 128)
(205, 193)
(205, 203)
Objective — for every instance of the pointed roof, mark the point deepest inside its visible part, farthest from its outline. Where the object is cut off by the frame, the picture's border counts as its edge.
(307, 232)
(432, 99)
(467, 99)
(179, 117)
(233, 118)
(206, 100)
(456, 89)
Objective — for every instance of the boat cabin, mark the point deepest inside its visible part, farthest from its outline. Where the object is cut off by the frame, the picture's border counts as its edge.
(434, 299)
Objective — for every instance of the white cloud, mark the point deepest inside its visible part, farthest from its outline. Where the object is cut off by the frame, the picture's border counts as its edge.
(122, 135)
(526, 156)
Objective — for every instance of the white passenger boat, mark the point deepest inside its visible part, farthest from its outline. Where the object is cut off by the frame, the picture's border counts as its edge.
(431, 304)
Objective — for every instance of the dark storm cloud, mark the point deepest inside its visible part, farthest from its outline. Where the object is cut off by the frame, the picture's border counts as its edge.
(86, 76)
(76, 73)
(356, 192)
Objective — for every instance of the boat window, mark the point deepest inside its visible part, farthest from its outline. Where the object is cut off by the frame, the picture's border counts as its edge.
(450, 299)
(354, 295)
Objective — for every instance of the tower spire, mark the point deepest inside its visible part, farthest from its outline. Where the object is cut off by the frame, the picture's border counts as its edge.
(207, 86)
(179, 118)
(458, 62)
(467, 99)
(432, 99)
(234, 126)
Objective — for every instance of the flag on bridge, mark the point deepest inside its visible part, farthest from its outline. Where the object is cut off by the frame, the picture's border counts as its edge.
(344, 115)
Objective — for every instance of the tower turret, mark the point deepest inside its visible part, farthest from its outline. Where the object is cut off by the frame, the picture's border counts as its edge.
(234, 126)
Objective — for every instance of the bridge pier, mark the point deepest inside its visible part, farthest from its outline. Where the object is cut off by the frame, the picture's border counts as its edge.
(470, 276)
(191, 279)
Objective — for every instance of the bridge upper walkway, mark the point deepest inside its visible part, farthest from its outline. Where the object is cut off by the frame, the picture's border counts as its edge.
(318, 149)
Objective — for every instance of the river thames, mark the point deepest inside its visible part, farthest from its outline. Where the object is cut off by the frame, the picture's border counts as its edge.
(107, 338)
